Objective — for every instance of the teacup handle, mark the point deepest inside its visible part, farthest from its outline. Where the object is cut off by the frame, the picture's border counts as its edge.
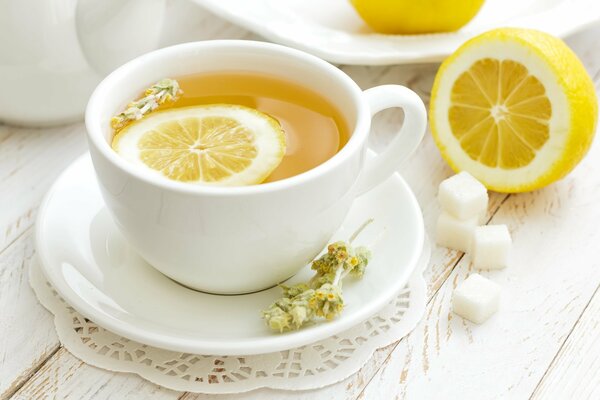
(379, 98)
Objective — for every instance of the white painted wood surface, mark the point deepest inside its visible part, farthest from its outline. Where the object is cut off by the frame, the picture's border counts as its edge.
(575, 372)
(543, 344)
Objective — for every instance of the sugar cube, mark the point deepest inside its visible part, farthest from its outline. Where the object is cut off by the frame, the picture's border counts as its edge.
(476, 298)
(463, 196)
(490, 246)
(454, 233)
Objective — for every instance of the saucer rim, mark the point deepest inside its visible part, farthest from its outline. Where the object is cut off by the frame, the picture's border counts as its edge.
(267, 344)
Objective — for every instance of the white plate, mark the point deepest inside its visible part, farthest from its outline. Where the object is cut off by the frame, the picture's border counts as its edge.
(332, 30)
(86, 259)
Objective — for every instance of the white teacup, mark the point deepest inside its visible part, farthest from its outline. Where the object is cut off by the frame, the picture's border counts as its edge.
(242, 239)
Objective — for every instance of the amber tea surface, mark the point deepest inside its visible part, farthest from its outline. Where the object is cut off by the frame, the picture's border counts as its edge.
(314, 129)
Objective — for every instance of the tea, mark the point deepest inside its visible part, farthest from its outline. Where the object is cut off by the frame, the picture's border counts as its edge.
(314, 129)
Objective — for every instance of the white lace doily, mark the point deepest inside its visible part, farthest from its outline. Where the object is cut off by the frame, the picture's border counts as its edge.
(308, 367)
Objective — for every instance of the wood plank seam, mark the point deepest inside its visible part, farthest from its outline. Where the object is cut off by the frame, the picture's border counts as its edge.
(562, 345)
(14, 388)
(433, 295)
(17, 384)
(399, 341)
(19, 236)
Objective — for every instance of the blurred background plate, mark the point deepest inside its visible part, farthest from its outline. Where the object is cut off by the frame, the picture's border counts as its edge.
(332, 30)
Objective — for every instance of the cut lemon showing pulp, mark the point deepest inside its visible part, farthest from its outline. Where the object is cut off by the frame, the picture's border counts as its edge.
(217, 144)
(515, 108)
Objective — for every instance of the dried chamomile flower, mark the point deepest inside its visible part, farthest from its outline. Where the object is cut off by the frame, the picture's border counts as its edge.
(163, 91)
(300, 310)
(342, 255)
(327, 301)
(293, 291)
(363, 255)
(319, 280)
(277, 318)
(287, 313)
(322, 295)
(337, 254)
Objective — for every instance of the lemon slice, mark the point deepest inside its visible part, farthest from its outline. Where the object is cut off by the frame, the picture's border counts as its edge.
(217, 144)
(515, 108)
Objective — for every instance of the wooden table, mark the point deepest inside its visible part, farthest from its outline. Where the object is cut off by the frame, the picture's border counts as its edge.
(543, 343)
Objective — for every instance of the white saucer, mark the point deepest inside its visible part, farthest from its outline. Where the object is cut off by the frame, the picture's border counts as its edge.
(332, 30)
(86, 259)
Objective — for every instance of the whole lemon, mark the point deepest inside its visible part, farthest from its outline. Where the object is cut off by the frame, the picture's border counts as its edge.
(416, 16)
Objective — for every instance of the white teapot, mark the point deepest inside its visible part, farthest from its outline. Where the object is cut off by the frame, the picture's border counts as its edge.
(54, 52)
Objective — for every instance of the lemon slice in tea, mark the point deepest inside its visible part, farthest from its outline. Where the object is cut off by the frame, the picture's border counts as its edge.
(217, 144)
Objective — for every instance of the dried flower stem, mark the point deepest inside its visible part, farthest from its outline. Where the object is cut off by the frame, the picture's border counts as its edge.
(338, 276)
(163, 91)
(322, 295)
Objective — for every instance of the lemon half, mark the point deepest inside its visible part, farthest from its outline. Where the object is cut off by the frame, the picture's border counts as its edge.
(515, 108)
(218, 144)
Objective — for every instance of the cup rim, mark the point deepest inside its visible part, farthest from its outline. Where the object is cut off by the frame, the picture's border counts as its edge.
(97, 140)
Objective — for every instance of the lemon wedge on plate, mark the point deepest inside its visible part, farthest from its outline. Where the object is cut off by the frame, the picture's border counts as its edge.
(219, 144)
(515, 108)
